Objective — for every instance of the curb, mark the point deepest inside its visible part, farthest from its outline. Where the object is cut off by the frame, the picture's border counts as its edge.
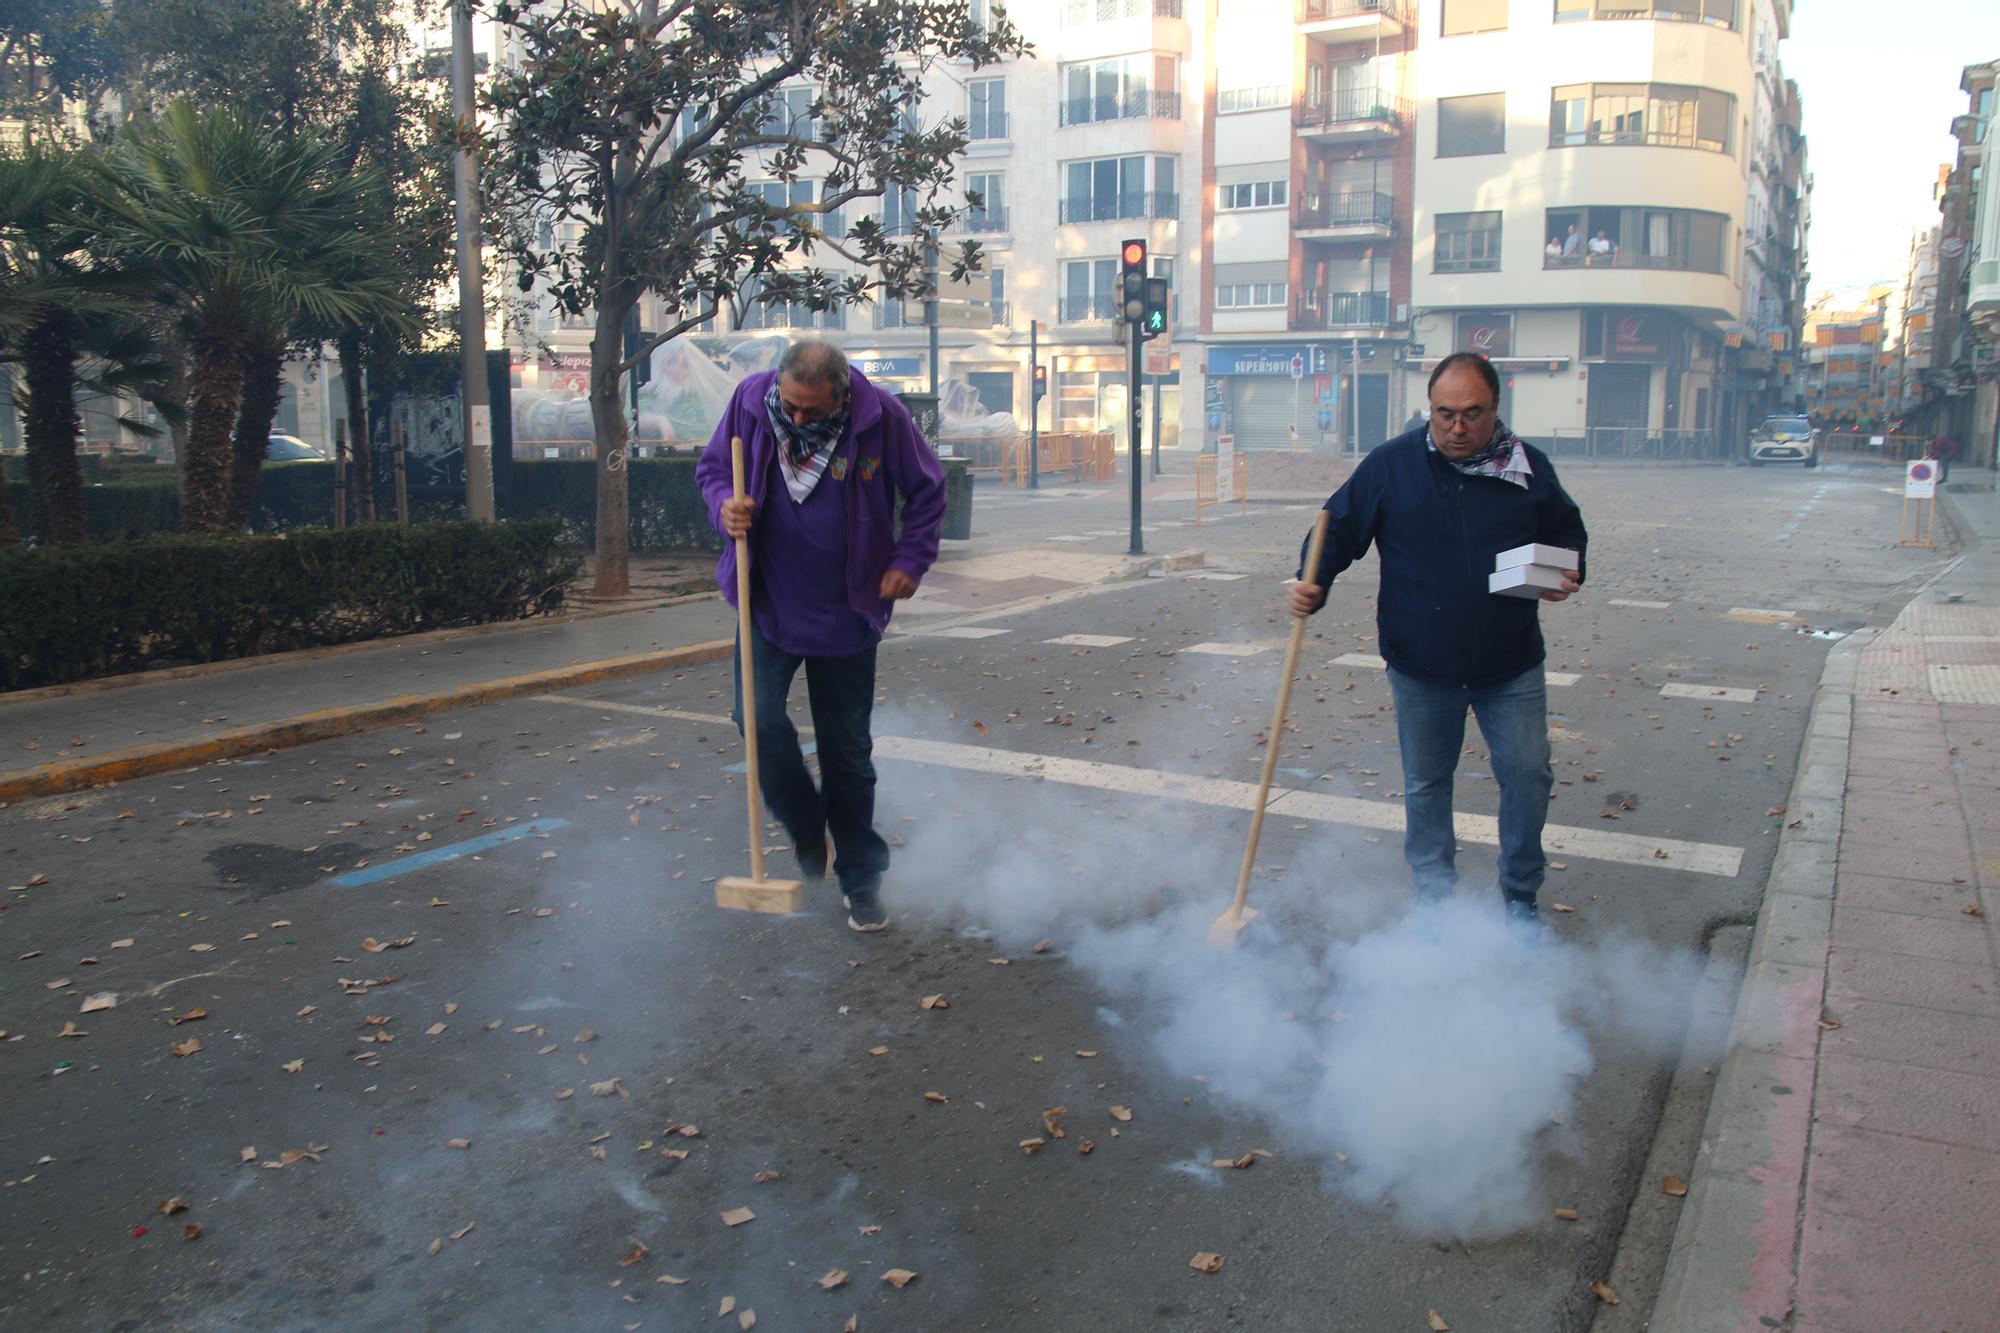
(1736, 1246)
(145, 760)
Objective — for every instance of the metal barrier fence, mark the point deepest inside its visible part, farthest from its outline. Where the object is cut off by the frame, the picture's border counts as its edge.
(1852, 446)
(1205, 488)
(1638, 444)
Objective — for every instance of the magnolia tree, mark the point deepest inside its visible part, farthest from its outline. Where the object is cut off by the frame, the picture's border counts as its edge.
(714, 153)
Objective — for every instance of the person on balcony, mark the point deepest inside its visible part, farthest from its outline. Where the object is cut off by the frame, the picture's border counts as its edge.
(1571, 242)
(1553, 251)
(1601, 248)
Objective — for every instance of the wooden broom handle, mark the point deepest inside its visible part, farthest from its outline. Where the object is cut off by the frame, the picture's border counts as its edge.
(745, 669)
(1272, 743)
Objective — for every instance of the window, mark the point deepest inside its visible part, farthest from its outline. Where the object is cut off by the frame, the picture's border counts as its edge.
(896, 211)
(1661, 115)
(990, 213)
(1464, 16)
(759, 314)
(1088, 290)
(1123, 88)
(1252, 194)
(987, 109)
(1654, 238)
(1116, 188)
(1259, 98)
(789, 111)
(1472, 125)
(1249, 295)
(1077, 13)
(1468, 243)
(1717, 13)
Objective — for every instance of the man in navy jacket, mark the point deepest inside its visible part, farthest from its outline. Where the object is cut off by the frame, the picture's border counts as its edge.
(826, 455)
(1439, 503)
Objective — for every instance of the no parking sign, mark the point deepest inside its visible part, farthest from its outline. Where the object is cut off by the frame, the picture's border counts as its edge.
(1920, 480)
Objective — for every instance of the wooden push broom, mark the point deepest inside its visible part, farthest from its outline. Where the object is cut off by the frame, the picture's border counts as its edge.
(1222, 932)
(754, 894)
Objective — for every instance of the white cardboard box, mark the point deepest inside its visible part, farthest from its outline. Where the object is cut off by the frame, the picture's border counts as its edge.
(1534, 553)
(1525, 580)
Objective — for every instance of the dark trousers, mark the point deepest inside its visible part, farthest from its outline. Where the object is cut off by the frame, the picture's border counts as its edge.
(841, 691)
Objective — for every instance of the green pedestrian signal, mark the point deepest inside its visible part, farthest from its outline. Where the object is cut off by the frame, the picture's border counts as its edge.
(1153, 322)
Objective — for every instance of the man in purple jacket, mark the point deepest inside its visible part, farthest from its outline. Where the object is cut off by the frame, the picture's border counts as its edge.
(825, 455)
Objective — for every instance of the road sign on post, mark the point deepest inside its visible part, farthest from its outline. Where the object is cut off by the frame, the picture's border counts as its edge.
(1225, 468)
(1919, 488)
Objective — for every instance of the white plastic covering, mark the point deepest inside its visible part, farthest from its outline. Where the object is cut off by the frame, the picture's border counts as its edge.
(961, 412)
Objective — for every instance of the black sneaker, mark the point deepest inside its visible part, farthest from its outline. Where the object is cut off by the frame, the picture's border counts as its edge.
(1523, 910)
(864, 911)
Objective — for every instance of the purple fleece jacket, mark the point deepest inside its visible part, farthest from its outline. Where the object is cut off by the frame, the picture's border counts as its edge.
(883, 454)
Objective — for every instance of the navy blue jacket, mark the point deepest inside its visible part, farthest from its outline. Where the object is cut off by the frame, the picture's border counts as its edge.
(1437, 531)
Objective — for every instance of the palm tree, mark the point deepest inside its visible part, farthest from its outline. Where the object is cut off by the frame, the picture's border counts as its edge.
(61, 306)
(246, 232)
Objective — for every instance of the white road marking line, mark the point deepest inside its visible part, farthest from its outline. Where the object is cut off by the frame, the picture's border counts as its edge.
(1558, 679)
(1758, 613)
(1207, 577)
(1228, 649)
(1726, 693)
(1640, 606)
(959, 632)
(1069, 539)
(1091, 640)
(1625, 848)
(1631, 849)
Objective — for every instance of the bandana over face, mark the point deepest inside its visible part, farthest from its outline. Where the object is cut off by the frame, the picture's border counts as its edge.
(803, 450)
(1504, 457)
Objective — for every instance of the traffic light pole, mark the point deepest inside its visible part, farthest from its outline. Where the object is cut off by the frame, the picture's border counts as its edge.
(1138, 338)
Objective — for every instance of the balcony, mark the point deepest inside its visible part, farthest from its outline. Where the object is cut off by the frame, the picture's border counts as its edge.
(986, 221)
(1137, 105)
(1086, 309)
(1121, 208)
(1982, 293)
(1625, 259)
(1352, 115)
(1077, 13)
(1352, 215)
(1342, 311)
(1336, 21)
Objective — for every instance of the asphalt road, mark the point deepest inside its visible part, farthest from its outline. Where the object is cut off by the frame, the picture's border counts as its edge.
(515, 904)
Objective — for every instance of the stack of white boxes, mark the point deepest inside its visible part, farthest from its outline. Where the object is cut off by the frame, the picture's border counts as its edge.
(1526, 571)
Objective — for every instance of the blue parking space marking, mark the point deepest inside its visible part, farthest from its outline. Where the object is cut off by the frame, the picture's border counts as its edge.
(355, 879)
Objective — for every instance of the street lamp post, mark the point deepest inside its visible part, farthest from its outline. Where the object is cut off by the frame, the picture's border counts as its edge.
(478, 420)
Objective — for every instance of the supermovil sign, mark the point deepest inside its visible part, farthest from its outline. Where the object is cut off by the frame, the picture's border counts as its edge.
(1225, 360)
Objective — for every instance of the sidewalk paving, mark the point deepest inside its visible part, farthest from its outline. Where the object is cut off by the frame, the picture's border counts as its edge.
(69, 737)
(1849, 1173)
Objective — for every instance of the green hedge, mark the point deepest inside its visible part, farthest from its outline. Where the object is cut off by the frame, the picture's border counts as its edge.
(74, 612)
(667, 510)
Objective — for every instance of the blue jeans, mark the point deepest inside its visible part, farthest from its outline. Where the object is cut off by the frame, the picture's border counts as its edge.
(841, 691)
(1430, 725)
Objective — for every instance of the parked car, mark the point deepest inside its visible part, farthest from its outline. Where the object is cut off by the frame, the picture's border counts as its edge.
(292, 449)
(1784, 440)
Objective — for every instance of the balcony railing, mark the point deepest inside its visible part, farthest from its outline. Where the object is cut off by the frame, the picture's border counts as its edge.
(1135, 105)
(1318, 11)
(1076, 13)
(986, 125)
(1350, 208)
(1120, 208)
(1342, 310)
(1627, 260)
(986, 220)
(1086, 309)
(1352, 107)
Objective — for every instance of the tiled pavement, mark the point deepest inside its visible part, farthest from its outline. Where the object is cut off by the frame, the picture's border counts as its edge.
(1849, 1176)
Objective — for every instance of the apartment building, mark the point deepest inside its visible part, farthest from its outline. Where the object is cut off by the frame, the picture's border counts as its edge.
(1909, 390)
(1965, 373)
(1849, 360)
(1582, 182)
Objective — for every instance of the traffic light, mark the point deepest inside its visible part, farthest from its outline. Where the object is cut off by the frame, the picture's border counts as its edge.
(1155, 322)
(1132, 282)
(1041, 382)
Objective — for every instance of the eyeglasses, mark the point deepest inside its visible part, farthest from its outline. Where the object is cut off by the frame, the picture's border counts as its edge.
(1447, 418)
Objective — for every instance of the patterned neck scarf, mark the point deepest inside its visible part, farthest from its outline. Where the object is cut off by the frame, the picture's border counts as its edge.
(1504, 457)
(804, 450)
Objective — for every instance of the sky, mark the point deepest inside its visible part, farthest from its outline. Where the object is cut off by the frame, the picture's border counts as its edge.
(1879, 83)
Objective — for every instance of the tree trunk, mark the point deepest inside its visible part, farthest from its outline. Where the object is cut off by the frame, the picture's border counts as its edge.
(256, 413)
(607, 417)
(361, 482)
(51, 424)
(10, 536)
(214, 391)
